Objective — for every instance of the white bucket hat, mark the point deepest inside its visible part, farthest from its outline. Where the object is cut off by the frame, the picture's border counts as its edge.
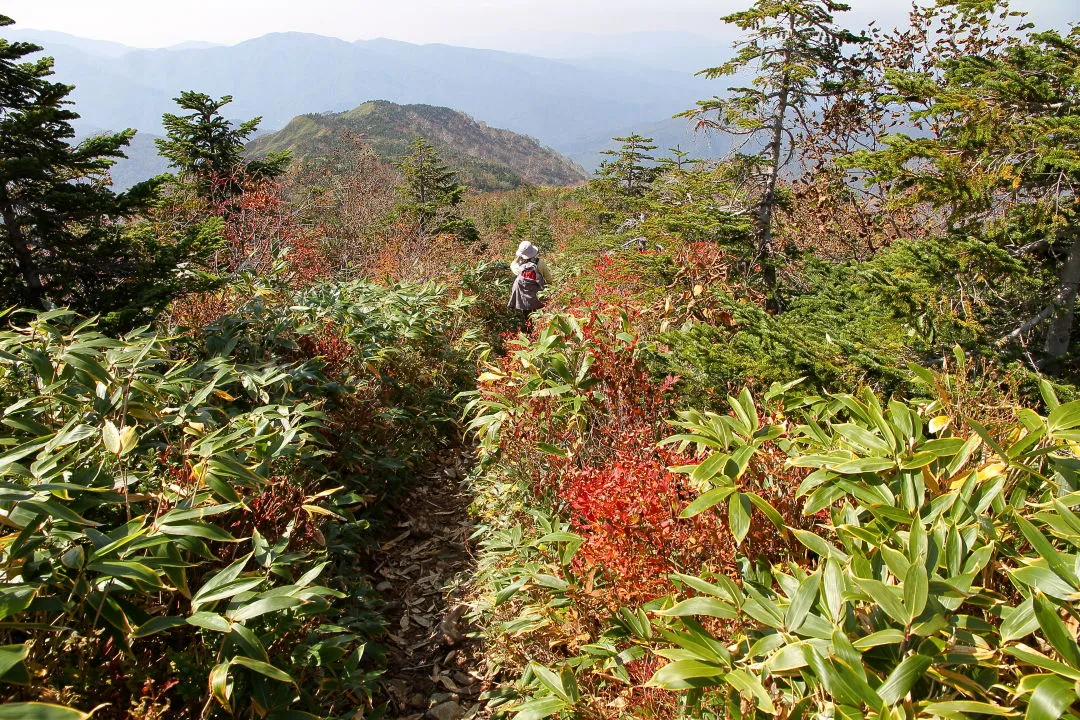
(527, 250)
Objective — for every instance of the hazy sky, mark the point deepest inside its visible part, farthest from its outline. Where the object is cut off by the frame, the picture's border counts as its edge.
(155, 23)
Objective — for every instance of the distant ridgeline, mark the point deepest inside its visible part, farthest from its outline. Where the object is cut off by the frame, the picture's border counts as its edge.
(484, 158)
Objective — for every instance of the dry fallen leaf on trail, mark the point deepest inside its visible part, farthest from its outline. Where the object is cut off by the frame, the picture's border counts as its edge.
(395, 541)
(451, 626)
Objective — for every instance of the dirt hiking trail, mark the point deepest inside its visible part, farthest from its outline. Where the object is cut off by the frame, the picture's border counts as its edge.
(435, 669)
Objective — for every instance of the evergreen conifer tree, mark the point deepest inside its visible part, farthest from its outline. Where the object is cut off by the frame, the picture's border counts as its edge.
(207, 150)
(430, 193)
(1003, 158)
(631, 168)
(678, 160)
(536, 229)
(65, 237)
(797, 53)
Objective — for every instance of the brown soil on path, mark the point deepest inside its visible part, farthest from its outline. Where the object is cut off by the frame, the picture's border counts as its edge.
(435, 670)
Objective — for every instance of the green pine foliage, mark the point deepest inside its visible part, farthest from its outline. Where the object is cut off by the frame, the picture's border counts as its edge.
(66, 238)
(854, 324)
(1003, 161)
(700, 203)
(630, 169)
(430, 193)
(208, 151)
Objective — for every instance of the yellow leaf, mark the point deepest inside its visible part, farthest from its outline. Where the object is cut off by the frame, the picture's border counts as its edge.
(698, 289)
(110, 436)
(930, 479)
(490, 377)
(316, 510)
(991, 471)
(326, 493)
(939, 423)
(220, 687)
(224, 395)
(128, 439)
(958, 482)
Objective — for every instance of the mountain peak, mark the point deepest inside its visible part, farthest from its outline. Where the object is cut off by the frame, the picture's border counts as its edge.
(484, 157)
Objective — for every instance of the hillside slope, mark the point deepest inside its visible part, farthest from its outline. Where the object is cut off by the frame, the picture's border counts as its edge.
(484, 157)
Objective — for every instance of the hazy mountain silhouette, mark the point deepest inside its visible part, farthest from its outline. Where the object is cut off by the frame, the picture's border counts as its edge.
(666, 134)
(50, 38)
(662, 49)
(564, 104)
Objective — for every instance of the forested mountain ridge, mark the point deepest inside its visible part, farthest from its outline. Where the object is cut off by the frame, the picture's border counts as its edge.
(486, 158)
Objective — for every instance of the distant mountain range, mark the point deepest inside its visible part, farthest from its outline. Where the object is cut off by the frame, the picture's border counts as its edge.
(666, 135)
(142, 162)
(574, 106)
(663, 49)
(483, 157)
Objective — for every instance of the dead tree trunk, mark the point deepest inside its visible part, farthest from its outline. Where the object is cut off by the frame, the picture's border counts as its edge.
(1059, 334)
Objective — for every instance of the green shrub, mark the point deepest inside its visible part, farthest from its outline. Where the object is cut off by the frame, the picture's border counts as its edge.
(844, 325)
(942, 585)
(184, 514)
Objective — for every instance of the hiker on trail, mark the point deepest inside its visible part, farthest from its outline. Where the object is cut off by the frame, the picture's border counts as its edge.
(533, 275)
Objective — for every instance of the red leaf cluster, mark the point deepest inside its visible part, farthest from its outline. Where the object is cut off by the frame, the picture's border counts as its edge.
(328, 343)
(260, 223)
(614, 486)
(627, 510)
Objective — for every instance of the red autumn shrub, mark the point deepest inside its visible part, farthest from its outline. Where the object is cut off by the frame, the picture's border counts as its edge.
(260, 224)
(614, 277)
(328, 343)
(627, 510)
(276, 510)
(200, 310)
(613, 484)
(616, 393)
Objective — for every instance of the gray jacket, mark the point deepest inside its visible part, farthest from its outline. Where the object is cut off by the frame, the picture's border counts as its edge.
(524, 296)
